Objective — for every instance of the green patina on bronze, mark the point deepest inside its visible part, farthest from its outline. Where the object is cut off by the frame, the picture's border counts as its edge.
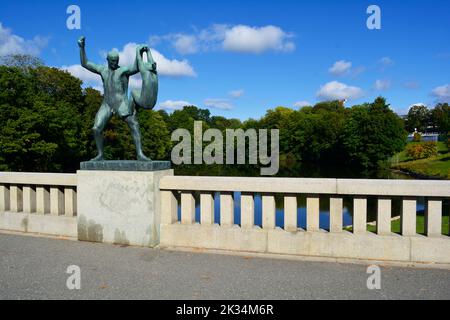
(115, 94)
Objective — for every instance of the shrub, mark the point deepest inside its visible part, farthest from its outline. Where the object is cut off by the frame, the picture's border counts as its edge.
(417, 137)
(431, 149)
(422, 150)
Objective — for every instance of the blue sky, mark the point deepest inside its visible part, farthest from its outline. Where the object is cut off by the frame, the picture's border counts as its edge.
(240, 58)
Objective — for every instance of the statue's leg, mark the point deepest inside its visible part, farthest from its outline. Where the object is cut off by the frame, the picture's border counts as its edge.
(133, 124)
(101, 119)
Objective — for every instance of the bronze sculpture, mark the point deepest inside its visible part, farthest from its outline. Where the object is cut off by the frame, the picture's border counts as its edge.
(115, 94)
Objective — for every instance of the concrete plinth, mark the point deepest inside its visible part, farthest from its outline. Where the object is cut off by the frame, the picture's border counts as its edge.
(119, 207)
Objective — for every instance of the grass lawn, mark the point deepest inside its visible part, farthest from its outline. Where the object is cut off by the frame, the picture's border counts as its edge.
(438, 166)
(395, 225)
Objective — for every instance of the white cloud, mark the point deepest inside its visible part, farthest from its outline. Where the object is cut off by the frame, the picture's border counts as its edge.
(338, 91)
(166, 67)
(236, 93)
(238, 38)
(300, 104)
(186, 44)
(382, 84)
(223, 104)
(13, 44)
(442, 93)
(174, 105)
(83, 74)
(248, 39)
(89, 78)
(340, 68)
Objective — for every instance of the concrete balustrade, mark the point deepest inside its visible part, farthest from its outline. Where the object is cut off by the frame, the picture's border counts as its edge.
(38, 203)
(408, 246)
(48, 204)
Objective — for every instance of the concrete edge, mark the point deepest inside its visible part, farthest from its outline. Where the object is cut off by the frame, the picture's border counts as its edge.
(245, 254)
(37, 235)
(39, 224)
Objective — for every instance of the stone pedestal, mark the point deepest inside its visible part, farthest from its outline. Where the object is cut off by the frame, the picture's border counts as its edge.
(119, 207)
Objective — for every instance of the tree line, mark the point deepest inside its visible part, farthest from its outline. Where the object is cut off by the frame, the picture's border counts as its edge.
(424, 119)
(46, 118)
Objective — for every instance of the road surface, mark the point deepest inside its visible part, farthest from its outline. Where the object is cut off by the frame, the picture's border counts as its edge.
(36, 268)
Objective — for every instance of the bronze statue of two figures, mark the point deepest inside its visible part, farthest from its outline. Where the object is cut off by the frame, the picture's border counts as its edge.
(115, 93)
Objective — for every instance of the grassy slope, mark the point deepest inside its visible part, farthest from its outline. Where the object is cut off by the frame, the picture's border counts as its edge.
(438, 166)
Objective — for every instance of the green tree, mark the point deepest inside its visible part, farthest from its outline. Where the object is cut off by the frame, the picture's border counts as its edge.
(441, 117)
(39, 119)
(418, 118)
(372, 134)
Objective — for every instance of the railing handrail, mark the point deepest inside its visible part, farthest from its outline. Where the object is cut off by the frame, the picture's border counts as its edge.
(50, 179)
(363, 187)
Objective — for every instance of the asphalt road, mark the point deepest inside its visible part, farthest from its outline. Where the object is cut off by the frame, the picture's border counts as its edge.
(35, 268)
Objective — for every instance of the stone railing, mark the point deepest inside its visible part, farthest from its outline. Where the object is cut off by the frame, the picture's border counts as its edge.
(39, 203)
(408, 246)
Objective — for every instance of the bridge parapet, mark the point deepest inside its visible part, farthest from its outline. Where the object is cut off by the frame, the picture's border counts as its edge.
(39, 203)
(337, 242)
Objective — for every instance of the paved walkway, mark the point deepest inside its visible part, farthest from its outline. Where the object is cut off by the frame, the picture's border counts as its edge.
(35, 268)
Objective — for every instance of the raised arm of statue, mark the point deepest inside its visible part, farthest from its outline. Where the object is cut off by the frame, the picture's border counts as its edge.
(83, 58)
(142, 65)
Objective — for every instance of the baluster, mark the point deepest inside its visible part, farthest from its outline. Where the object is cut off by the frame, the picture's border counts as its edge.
(336, 214)
(207, 208)
(56, 201)
(268, 211)
(290, 213)
(70, 201)
(384, 216)
(433, 218)
(187, 207)
(16, 199)
(169, 207)
(359, 215)
(226, 209)
(408, 216)
(29, 199)
(247, 210)
(42, 200)
(4, 198)
(312, 212)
